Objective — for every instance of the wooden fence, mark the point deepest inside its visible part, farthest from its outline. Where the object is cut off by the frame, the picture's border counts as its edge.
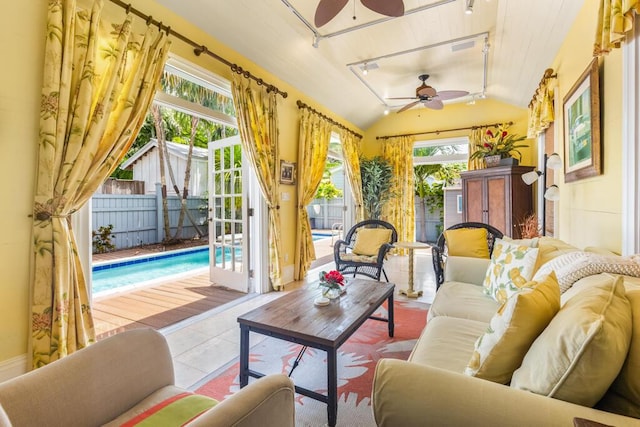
(137, 219)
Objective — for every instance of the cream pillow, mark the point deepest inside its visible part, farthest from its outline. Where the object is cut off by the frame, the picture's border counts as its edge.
(510, 268)
(369, 240)
(580, 353)
(469, 242)
(513, 329)
(573, 266)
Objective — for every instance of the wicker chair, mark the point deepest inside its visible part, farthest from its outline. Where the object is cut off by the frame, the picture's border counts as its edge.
(349, 263)
(439, 250)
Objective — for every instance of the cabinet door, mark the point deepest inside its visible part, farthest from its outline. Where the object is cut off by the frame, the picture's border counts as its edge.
(498, 203)
(474, 200)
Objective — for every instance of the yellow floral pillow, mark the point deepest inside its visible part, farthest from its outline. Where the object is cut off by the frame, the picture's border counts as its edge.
(469, 242)
(369, 240)
(511, 267)
(512, 330)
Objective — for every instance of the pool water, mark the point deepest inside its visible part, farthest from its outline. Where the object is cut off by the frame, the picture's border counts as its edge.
(114, 275)
(319, 236)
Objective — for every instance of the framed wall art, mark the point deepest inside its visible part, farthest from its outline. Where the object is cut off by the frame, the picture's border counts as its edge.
(287, 172)
(581, 106)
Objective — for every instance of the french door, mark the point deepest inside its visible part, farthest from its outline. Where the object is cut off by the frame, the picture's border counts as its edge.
(229, 231)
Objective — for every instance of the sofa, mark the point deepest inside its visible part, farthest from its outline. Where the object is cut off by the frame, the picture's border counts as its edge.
(439, 383)
(127, 377)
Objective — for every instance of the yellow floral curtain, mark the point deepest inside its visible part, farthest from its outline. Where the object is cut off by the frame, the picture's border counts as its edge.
(315, 134)
(257, 114)
(400, 210)
(615, 21)
(99, 80)
(475, 138)
(541, 110)
(351, 154)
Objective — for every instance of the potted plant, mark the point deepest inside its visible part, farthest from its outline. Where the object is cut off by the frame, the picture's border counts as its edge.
(500, 145)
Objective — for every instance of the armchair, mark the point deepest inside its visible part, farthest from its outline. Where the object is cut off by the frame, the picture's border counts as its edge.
(439, 250)
(369, 263)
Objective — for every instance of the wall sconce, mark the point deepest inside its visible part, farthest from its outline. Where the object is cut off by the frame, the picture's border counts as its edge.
(551, 193)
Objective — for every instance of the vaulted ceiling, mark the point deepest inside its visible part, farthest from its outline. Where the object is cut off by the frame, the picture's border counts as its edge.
(499, 51)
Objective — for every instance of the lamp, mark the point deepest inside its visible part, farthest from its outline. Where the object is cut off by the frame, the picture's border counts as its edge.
(551, 193)
(468, 9)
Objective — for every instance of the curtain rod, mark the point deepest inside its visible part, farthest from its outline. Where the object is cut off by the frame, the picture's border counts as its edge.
(329, 119)
(445, 130)
(548, 74)
(198, 49)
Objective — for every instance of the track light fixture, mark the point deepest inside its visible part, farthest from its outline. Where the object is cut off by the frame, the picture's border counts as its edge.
(468, 8)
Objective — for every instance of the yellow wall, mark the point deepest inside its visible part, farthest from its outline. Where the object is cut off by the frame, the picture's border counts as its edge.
(484, 111)
(590, 210)
(22, 47)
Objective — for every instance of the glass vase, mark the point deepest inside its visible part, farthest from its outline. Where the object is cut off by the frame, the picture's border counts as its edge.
(331, 293)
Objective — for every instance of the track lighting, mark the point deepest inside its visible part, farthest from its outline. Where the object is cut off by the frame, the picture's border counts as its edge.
(468, 9)
(365, 70)
(386, 111)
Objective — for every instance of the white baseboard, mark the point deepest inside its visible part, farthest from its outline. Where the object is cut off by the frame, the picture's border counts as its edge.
(13, 367)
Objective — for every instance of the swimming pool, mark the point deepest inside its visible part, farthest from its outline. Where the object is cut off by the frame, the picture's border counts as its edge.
(111, 275)
(319, 236)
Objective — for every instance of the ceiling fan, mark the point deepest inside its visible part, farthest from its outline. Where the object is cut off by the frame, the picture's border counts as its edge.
(429, 97)
(328, 9)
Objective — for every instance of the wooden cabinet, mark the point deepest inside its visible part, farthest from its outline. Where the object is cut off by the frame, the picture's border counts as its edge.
(498, 197)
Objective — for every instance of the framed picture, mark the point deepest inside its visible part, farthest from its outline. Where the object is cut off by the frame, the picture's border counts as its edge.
(287, 172)
(582, 151)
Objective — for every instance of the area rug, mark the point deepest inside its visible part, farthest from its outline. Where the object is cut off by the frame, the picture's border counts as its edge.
(356, 363)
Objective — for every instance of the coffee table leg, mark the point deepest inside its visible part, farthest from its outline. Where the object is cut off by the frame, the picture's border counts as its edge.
(332, 387)
(244, 356)
(390, 314)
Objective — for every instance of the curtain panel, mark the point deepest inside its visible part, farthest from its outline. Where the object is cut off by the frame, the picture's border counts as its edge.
(541, 111)
(351, 156)
(257, 114)
(475, 138)
(400, 210)
(99, 80)
(615, 21)
(315, 134)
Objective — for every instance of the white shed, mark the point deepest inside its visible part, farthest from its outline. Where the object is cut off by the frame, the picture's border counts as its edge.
(146, 167)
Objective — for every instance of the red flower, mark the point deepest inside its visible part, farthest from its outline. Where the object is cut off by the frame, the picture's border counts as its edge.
(490, 133)
(487, 145)
(332, 278)
(504, 133)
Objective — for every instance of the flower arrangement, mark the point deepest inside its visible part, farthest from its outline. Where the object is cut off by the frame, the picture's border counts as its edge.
(330, 281)
(500, 144)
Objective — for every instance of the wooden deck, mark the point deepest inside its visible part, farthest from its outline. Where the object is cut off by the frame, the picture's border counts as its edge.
(158, 306)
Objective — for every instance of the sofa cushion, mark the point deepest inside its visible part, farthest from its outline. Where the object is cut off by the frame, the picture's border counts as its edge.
(512, 330)
(169, 405)
(464, 301)
(549, 248)
(511, 266)
(369, 240)
(469, 242)
(567, 360)
(573, 266)
(447, 343)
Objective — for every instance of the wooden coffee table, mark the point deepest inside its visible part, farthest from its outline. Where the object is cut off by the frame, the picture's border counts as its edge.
(294, 317)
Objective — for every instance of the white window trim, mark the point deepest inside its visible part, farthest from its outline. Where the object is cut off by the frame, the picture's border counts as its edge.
(631, 143)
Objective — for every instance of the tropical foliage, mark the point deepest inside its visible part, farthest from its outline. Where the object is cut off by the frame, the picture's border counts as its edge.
(499, 143)
(377, 179)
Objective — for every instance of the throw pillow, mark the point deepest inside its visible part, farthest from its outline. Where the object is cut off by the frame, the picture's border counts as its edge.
(513, 329)
(573, 266)
(577, 357)
(469, 242)
(510, 268)
(369, 240)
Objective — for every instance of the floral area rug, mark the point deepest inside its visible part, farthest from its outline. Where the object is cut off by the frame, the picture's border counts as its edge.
(356, 363)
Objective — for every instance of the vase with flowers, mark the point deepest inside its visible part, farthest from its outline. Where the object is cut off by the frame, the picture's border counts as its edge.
(332, 284)
(498, 145)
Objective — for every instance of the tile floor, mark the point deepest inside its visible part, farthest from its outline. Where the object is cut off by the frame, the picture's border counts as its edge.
(204, 343)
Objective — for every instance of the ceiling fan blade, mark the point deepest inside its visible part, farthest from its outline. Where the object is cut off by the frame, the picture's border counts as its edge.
(327, 10)
(385, 7)
(405, 97)
(409, 105)
(426, 91)
(451, 94)
(434, 104)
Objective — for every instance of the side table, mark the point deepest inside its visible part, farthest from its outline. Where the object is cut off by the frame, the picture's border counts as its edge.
(411, 246)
